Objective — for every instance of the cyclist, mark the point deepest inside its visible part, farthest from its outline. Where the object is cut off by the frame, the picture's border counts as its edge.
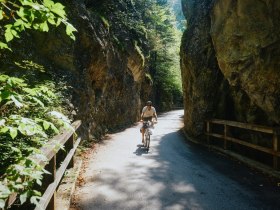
(148, 112)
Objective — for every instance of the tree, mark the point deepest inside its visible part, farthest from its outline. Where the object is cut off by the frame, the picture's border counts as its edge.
(19, 15)
(164, 42)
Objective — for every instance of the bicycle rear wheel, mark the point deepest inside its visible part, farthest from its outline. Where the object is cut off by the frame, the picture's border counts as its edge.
(147, 140)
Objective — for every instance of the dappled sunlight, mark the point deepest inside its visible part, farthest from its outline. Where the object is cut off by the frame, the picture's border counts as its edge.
(172, 175)
(182, 188)
(144, 180)
(140, 186)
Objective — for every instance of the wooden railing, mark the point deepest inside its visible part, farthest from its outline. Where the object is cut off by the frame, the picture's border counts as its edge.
(58, 161)
(177, 107)
(227, 125)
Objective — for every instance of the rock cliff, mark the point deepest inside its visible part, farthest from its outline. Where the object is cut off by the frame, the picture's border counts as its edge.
(230, 62)
(107, 66)
(103, 69)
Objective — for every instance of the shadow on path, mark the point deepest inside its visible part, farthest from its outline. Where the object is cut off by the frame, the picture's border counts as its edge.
(178, 175)
(141, 150)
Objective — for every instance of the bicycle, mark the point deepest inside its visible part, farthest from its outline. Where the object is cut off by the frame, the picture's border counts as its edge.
(148, 132)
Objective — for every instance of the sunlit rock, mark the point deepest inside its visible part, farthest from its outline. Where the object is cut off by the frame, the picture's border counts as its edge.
(230, 62)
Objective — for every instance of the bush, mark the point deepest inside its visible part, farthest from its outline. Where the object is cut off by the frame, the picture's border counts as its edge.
(28, 119)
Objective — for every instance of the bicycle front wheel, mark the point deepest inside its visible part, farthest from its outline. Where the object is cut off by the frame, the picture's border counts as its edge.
(147, 141)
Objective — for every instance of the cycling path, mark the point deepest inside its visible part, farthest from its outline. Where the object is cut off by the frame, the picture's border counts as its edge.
(175, 174)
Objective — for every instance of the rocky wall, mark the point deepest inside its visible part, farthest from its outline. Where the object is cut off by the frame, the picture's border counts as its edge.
(103, 69)
(239, 41)
(109, 68)
(201, 77)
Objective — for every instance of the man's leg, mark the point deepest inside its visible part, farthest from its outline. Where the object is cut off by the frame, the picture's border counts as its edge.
(152, 123)
(143, 131)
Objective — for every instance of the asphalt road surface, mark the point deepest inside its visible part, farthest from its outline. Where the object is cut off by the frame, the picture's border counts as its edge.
(173, 175)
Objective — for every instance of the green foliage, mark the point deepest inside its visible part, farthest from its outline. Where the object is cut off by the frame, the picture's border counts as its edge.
(151, 27)
(29, 114)
(138, 49)
(28, 119)
(126, 25)
(105, 21)
(149, 78)
(19, 15)
(164, 44)
(181, 22)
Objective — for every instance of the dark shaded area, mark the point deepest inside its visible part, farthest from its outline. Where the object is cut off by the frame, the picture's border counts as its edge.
(247, 136)
(181, 175)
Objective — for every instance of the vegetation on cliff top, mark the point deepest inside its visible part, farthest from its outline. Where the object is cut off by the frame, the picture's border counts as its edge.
(163, 40)
(153, 25)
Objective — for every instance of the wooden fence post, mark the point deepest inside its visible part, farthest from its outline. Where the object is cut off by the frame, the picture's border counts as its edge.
(208, 132)
(68, 146)
(52, 166)
(225, 136)
(276, 149)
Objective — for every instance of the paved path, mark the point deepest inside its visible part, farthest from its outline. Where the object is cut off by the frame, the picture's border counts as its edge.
(175, 174)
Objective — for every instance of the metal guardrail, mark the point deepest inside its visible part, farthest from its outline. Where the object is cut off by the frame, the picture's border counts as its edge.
(56, 165)
(274, 151)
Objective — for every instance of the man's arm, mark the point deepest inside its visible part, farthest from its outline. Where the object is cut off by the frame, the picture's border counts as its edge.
(155, 115)
(142, 114)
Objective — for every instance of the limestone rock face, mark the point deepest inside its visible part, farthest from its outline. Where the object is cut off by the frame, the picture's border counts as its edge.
(103, 67)
(109, 69)
(242, 37)
(200, 73)
(247, 43)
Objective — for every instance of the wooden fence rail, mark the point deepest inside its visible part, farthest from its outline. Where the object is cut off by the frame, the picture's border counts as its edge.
(274, 151)
(58, 162)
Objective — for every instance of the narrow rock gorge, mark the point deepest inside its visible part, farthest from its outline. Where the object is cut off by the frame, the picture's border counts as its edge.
(103, 69)
(230, 62)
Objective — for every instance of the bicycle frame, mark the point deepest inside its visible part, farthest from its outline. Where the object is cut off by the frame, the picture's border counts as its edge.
(147, 134)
